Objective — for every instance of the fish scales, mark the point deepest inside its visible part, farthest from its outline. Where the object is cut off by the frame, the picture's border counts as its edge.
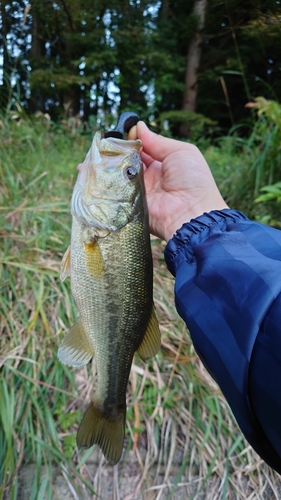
(121, 303)
(110, 265)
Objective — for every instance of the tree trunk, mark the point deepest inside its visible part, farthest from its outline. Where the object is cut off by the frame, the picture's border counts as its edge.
(192, 65)
(164, 10)
(71, 101)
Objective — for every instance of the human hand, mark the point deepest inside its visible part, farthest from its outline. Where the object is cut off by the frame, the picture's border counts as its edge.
(179, 183)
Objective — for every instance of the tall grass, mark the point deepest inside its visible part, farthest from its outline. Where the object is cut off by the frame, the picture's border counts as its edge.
(37, 171)
(244, 166)
(181, 436)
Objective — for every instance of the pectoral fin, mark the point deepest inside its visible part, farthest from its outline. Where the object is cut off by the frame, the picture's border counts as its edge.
(65, 265)
(94, 260)
(75, 349)
(151, 342)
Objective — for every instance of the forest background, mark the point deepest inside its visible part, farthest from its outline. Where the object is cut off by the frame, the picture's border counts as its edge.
(94, 58)
(198, 70)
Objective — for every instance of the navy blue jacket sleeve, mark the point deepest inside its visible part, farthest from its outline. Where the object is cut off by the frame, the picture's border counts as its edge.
(227, 290)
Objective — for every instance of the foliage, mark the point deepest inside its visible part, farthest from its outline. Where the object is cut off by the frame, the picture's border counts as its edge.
(271, 193)
(271, 109)
(198, 124)
(264, 142)
(243, 166)
(270, 200)
(229, 164)
(84, 58)
(231, 72)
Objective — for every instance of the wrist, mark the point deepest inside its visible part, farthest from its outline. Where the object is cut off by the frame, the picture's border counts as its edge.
(180, 218)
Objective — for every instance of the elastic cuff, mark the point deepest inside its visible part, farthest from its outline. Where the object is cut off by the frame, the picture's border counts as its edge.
(200, 229)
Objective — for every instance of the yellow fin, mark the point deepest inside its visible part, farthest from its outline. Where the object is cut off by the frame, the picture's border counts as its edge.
(75, 349)
(151, 342)
(107, 433)
(65, 265)
(94, 260)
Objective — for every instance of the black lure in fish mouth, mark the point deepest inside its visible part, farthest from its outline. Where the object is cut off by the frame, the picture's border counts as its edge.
(126, 121)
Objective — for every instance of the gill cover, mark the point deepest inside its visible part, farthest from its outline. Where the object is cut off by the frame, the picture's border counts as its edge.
(104, 198)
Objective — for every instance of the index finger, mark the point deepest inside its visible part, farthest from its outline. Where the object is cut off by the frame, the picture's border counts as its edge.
(132, 136)
(158, 146)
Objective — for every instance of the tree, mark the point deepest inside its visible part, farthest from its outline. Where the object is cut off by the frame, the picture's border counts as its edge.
(193, 63)
(94, 57)
(236, 53)
(14, 21)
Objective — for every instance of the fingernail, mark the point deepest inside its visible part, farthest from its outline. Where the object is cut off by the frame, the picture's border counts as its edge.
(132, 134)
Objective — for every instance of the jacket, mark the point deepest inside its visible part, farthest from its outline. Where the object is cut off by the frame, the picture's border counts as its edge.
(227, 289)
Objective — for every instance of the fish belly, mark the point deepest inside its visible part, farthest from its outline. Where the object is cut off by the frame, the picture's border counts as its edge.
(111, 281)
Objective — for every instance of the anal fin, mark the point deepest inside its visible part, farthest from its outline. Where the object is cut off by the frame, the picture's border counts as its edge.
(75, 349)
(151, 342)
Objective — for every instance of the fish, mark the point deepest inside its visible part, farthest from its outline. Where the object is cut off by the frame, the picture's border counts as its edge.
(109, 262)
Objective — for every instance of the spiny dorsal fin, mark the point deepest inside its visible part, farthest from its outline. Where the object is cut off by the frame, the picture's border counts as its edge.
(151, 342)
(65, 265)
(108, 433)
(75, 349)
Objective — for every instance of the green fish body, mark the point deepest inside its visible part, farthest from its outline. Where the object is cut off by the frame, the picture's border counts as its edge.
(110, 265)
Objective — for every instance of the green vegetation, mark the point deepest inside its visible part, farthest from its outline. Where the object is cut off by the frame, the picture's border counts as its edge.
(177, 416)
(96, 58)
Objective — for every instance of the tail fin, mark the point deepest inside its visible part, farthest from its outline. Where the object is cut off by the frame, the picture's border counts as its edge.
(95, 428)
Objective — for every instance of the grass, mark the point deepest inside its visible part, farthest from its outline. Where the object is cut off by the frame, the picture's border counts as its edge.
(244, 166)
(182, 440)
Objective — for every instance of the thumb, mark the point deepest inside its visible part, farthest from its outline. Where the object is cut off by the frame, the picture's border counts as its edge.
(158, 146)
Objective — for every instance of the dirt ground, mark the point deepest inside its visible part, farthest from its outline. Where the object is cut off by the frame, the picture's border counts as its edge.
(126, 481)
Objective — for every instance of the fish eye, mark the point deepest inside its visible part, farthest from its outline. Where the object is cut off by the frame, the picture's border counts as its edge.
(131, 172)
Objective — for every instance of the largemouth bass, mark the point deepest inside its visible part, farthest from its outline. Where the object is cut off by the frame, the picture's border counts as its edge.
(110, 265)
